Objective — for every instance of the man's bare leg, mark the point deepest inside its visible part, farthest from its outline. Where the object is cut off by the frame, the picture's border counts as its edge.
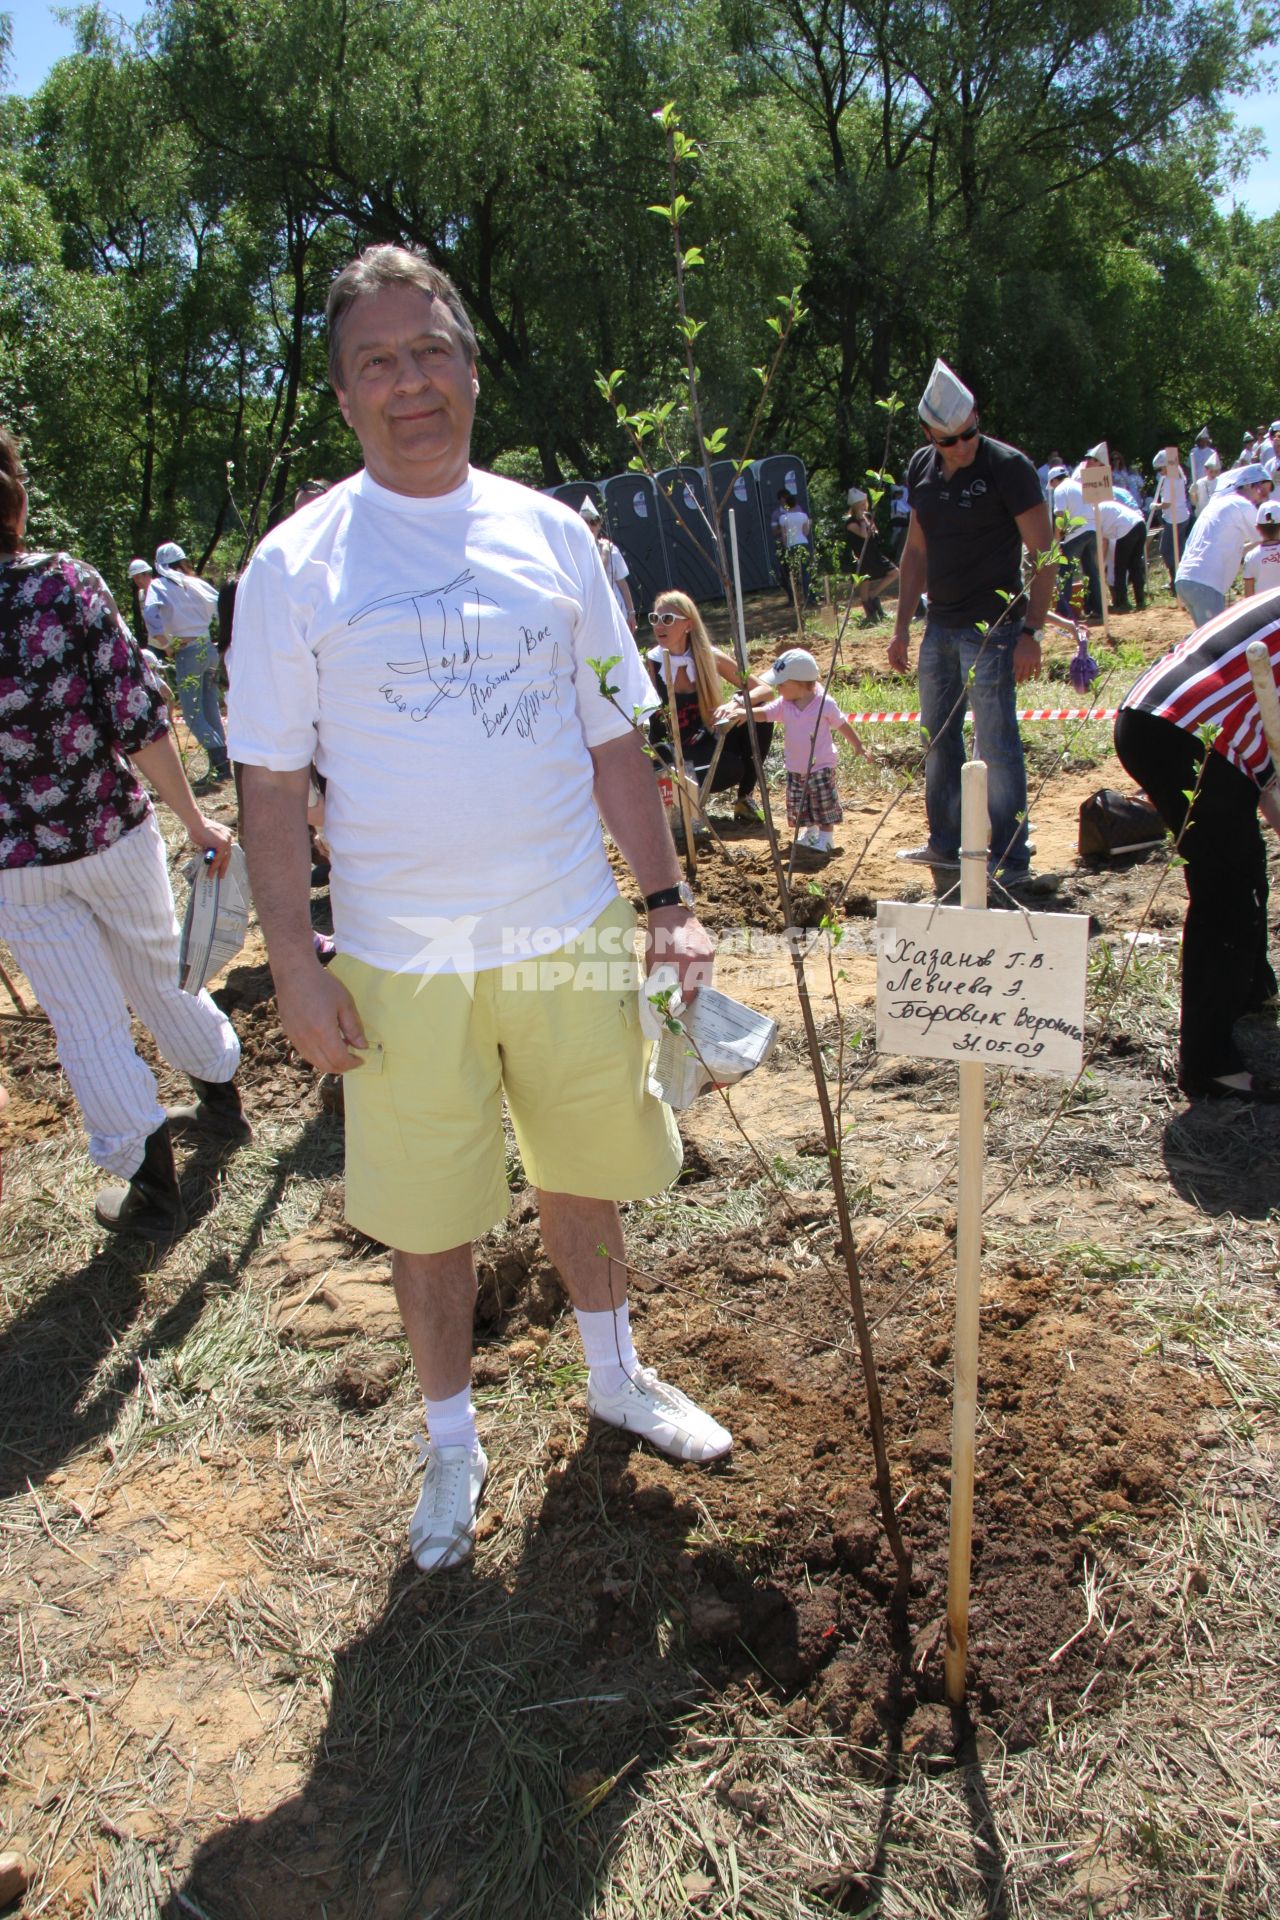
(436, 1295)
(573, 1232)
(584, 1240)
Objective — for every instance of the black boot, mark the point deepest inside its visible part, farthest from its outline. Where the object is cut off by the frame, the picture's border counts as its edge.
(151, 1205)
(217, 1112)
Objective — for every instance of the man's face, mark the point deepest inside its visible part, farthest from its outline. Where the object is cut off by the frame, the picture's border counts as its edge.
(1258, 492)
(961, 452)
(408, 390)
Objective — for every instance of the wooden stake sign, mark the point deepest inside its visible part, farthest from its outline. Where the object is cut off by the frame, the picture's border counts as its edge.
(1258, 654)
(965, 984)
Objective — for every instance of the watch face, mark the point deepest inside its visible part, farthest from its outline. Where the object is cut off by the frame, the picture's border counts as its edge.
(686, 895)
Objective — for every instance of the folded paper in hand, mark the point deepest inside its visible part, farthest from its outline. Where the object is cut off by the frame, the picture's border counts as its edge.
(717, 1042)
(216, 922)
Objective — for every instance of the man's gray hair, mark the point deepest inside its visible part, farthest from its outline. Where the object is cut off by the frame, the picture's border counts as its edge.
(388, 266)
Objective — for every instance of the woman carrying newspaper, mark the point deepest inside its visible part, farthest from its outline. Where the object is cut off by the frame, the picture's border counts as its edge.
(85, 901)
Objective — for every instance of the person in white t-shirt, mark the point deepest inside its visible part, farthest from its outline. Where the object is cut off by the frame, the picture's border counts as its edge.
(425, 633)
(1262, 564)
(1219, 541)
(1206, 485)
(616, 570)
(178, 610)
(1170, 501)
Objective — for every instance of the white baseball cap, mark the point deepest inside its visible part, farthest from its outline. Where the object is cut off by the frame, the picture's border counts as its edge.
(169, 554)
(137, 567)
(1058, 473)
(1268, 514)
(794, 664)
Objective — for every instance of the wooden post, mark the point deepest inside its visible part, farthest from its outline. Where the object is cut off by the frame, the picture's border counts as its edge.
(1173, 474)
(1258, 654)
(975, 834)
(1104, 596)
(682, 790)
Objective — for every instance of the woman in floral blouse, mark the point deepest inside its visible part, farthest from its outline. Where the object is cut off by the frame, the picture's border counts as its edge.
(85, 900)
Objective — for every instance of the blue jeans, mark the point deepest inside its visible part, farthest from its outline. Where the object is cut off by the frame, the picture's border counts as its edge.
(195, 679)
(1201, 602)
(947, 656)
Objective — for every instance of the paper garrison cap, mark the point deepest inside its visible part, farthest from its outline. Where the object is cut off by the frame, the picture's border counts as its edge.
(946, 403)
(1238, 477)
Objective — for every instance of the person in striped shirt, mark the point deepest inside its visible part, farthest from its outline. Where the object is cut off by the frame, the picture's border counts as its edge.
(1190, 726)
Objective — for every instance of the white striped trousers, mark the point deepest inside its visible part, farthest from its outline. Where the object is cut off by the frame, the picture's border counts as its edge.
(96, 937)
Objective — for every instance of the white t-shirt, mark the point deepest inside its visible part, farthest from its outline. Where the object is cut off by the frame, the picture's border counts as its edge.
(616, 570)
(178, 606)
(1116, 519)
(795, 527)
(1203, 490)
(1181, 506)
(1218, 542)
(430, 655)
(1262, 566)
(1068, 498)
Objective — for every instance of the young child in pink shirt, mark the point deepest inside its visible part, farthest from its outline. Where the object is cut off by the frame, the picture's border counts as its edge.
(789, 693)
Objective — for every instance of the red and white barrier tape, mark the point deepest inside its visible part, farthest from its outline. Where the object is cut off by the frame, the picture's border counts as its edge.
(1026, 713)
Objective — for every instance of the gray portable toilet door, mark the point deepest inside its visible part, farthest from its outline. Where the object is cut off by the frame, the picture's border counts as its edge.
(689, 541)
(738, 492)
(633, 524)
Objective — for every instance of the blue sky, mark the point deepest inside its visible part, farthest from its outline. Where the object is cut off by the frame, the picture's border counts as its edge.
(39, 39)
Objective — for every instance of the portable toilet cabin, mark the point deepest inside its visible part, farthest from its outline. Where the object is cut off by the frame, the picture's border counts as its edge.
(691, 551)
(633, 523)
(740, 493)
(574, 492)
(775, 471)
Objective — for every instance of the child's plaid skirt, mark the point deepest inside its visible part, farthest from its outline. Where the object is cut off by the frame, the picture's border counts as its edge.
(812, 801)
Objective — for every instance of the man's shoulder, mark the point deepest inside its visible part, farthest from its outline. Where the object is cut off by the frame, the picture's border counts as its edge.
(919, 467)
(1001, 454)
(311, 527)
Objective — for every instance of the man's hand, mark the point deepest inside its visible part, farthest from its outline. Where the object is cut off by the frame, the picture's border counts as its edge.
(678, 937)
(1269, 805)
(319, 1018)
(1026, 657)
(900, 653)
(211, 836)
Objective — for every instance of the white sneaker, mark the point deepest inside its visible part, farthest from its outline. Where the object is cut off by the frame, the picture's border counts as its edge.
(824, 842)
(926, 857)
(442, 1531)
(805, 837)
(663, 1416)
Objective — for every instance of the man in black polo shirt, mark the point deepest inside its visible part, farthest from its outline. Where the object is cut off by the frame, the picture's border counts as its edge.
(975, 504)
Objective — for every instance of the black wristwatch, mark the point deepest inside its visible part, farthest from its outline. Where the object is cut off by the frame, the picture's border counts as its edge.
(1033, 631)
(681, 896)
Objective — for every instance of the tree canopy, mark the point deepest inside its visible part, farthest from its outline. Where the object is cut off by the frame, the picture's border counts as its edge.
(1027, 187)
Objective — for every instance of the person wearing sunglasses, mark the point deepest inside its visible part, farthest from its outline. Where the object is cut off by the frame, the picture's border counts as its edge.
(975, 504)
(682, 649)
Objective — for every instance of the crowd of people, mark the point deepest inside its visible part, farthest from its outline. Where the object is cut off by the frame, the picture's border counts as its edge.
(423, 640)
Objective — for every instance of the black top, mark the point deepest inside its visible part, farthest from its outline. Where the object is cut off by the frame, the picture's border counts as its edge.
(969, 522)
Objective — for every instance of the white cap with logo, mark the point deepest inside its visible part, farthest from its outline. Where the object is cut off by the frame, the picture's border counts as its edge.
(794, 664)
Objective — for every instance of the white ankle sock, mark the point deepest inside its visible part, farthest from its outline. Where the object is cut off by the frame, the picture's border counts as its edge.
(607, 1344)
(452, 1422)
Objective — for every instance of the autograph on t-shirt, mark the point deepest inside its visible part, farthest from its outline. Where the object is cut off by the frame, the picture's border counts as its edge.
(462, 659)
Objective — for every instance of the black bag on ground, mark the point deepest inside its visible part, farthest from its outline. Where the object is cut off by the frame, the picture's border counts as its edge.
(1114, 823)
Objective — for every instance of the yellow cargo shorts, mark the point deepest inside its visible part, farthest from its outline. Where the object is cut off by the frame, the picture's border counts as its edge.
(559, 1035)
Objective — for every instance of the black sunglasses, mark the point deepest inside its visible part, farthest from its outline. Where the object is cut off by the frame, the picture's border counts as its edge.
(953, 439)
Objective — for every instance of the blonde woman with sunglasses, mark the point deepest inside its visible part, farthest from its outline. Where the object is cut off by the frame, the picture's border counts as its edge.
(682, 648)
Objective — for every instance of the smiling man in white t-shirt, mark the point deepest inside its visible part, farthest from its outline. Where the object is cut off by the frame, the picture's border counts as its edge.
(424, 632)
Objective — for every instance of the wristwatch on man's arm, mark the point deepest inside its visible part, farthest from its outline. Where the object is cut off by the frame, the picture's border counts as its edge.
(680, 896)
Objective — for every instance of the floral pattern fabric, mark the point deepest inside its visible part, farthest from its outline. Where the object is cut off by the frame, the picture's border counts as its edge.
(75, 698)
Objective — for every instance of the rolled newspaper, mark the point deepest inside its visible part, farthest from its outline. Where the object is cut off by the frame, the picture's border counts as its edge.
(217, 918)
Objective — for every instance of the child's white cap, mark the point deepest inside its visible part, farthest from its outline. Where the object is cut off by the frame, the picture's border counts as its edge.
(946, 403)
(794, 664)
(1268, 514)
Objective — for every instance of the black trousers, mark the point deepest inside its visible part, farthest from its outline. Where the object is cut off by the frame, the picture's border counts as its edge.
(736, 768)
(1131, 569)
(1225, 968)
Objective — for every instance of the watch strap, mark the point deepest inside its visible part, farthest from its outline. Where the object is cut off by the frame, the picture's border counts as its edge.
(664, 897)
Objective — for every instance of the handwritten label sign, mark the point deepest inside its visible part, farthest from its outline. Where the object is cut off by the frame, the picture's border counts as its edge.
(1002, 989)
(1096, 484)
